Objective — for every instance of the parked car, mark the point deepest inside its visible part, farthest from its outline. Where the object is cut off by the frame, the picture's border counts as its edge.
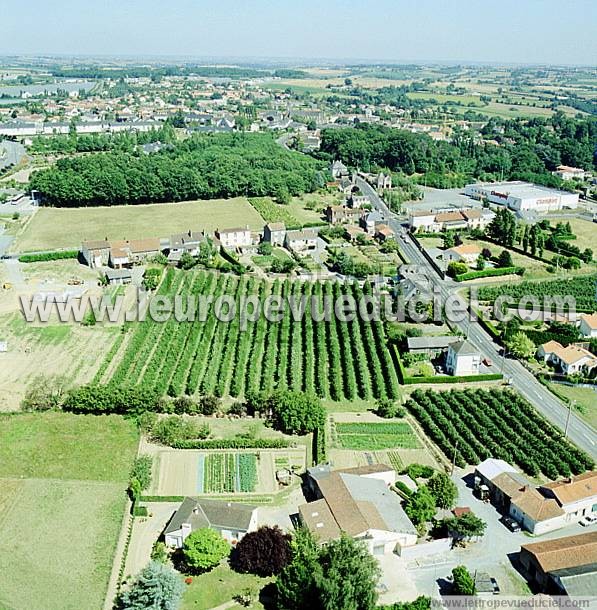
(511, 524)
(588, 520)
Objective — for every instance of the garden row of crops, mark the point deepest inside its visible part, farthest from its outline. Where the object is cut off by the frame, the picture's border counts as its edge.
(229, 473)
(472, 425)
(581, 288)
(376, 436)
(339, 360)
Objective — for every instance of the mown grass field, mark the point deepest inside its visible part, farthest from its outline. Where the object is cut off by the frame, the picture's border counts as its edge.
(57, 542)
(62, 497)
(66, 446)
(52, 228)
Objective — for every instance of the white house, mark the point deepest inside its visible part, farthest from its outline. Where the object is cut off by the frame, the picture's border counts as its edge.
(231, 520)
(588, 325)
(577, 495)
(569, 360)
(358, 501)
(466, 253)
(301, 241)
(462, 359)
(235, 238)
(96, 253)
(565, 172)
(274, 233)
(370, 221)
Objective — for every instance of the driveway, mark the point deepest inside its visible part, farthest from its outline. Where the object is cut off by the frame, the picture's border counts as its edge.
(146, 531)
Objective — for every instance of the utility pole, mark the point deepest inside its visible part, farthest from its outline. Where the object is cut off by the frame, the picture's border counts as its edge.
(572, 402)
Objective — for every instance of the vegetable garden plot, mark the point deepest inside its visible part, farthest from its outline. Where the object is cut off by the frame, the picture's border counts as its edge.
(376, 436)
(229, 473)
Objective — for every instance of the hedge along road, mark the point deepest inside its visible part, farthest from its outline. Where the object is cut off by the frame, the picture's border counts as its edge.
(522, 380)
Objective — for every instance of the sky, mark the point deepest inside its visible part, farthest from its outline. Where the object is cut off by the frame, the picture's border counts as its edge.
(500, 31)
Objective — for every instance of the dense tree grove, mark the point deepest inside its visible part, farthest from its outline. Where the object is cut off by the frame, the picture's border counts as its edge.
(528, 150)
(341, 575)
(205, 166)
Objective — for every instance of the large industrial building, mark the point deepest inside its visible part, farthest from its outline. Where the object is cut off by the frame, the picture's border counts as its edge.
(523, 196)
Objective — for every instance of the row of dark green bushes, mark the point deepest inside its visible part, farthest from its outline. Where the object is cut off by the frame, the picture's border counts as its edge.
(48, 256)
(492, 272)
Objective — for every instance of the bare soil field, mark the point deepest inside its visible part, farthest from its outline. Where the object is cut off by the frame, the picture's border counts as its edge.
(62, 349)
(53, 228)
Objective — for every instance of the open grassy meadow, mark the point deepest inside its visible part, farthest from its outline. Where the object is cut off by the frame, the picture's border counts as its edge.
(52, 228)
(62, 497)
(67, 446)
(57, 542)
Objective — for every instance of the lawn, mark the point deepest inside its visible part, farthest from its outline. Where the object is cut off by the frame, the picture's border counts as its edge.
(57, 542)
(52, 228)
(62, 498)
(66, 446)
(375, 436)
(304, 210)
(264, 261)
(586, 401)
(218, 587)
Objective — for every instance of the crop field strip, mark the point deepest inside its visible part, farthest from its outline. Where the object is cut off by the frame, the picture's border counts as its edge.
(581, 288)
(473, 425)
(340, 360)
(376, 436)
(228, 473)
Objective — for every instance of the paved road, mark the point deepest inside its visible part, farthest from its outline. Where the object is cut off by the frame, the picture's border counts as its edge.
(527, 385)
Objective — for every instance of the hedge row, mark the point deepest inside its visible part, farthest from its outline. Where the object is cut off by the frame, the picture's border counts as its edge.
(473, 275)
(232, 443)
(450, 379)
(48, 256)
(319, 445)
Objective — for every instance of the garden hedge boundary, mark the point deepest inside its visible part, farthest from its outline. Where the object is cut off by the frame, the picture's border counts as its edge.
(49, 256)
(473, 275)
(232, 443)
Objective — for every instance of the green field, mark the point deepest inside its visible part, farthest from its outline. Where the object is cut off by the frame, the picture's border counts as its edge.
(57, 542)
(66, 446)
(229, 472)
(296, 213)
(52, 228)
(376, 436)
(62, 498)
